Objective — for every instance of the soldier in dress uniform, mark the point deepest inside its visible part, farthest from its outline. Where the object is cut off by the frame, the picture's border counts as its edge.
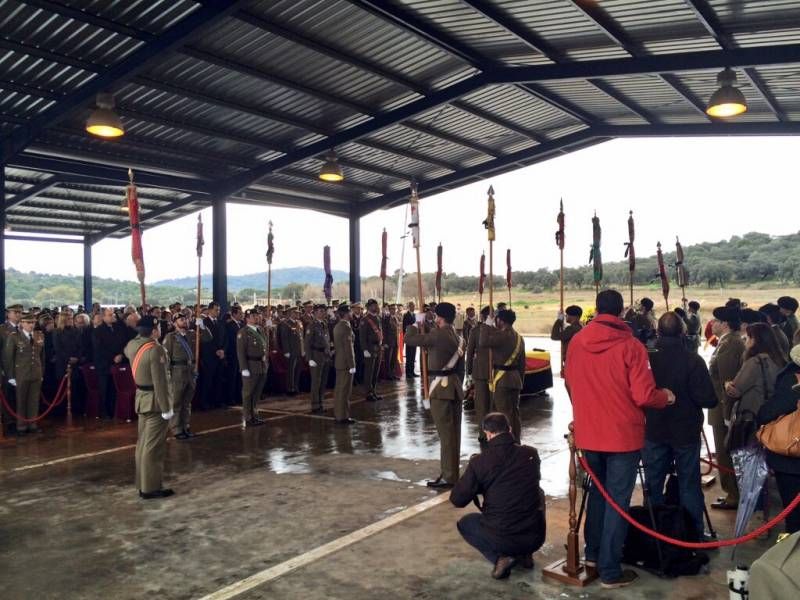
(565, 327)
(290, 334)
(252, 349)
(371, 336)
(477, 363)
(345, 364)
(154, 407)
(469, 322)
(318, 352)
(307, 317)
(693, 326)
(508, 357)
(180, 347)
(11, 325)
(788, 306)
(446, 396)
(391, 334)
(23, 364)
(357, 312)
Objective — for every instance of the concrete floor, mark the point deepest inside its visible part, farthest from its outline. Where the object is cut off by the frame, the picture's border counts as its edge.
(71, 525)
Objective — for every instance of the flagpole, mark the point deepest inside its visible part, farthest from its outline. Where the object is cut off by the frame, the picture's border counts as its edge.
(508, 274)
(489, 224)
(200, 242)
(414, 225)
(270, 250)
(560, 242)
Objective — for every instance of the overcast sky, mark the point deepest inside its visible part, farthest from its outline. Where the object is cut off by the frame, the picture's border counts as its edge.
(700, 189)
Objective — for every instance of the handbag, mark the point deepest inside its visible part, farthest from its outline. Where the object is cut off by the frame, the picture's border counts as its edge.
(782, 436)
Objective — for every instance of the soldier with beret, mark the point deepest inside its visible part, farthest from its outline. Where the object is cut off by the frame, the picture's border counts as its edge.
(154, 407)
(11, 325)
(508, 358)
(788, 307)
(23, 364)
(477, 363)
(290, 336)
(318, 351)
(643, 322)
(446, 396)
(252, 349)
(566, 326)
(371, 335)
(345, 364)
(180, 347)
(693, 325)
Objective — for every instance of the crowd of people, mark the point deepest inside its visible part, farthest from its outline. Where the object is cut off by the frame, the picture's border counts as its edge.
(637, 384)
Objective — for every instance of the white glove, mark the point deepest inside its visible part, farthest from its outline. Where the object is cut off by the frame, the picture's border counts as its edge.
(286, 355)
(561, 316)
(12, 382)
(269, 323)
(353, 371)
(246, 373)
(168, 415)
(312, 363)
(367, 354)
(201, 325)
(490, 321)
(419, 318)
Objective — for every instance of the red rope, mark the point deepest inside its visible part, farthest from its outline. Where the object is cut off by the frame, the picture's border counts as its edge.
(57, 394)
(696, 545)
(56, 401)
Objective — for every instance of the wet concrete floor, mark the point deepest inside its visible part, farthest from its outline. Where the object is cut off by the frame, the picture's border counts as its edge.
(72, 526)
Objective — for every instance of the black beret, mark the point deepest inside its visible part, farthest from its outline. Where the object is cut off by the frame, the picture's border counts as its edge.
(727, 314)
(788, 303)
(343, 308)
(147, 323)
(371, 301)
(447, 311)
(574, 311)
(694, 305)
(507, 316)
(647, 303)
(748, 315)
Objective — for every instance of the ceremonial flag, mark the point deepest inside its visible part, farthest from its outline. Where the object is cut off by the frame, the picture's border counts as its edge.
(438, 284)
(383, 254)
(594, 256)
(200, 241)
(682, 277)
(482, 277)
(560, 221)
(270, 244)
(489, 222)
(327, 287)
(630, 254)
(414, 206)
(662, 274)
(508, 268)
(136, 233)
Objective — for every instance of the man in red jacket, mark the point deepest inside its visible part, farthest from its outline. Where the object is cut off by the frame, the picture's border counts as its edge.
(608, 374)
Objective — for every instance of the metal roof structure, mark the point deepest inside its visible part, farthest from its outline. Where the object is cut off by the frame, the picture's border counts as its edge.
(241, 99)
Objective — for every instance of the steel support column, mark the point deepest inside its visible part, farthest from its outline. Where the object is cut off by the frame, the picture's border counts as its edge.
(219, 228)
(355, 258)
(87, 276)
(2, 236)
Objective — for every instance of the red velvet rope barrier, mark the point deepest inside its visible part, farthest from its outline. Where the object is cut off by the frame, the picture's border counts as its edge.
(60, 395)
(695, 545)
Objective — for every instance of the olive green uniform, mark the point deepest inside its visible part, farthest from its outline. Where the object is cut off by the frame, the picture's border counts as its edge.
(563, 332)
(290, 333)
(252, 348)
(371, 338)
(508, 358)
(6, 329)
(344, 360)
(477, 360)
(182, 379)
(152, 400)
(318, 350)
(22, 361)
(446, 398)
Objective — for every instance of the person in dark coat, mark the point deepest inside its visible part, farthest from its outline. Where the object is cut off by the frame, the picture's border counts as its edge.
(786, 468)
(108, 342)
(411, 351)
(212, 358)
(233, 376)
(511, 525)
(672, 434)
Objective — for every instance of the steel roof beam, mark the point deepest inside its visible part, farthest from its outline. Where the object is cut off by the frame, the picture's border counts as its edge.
(31, 192)
(706, 15)
(138, 61)
(716, 128)
(91, 18)
(42, 238)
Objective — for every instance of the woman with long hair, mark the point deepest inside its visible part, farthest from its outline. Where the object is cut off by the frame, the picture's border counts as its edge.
(754, 384)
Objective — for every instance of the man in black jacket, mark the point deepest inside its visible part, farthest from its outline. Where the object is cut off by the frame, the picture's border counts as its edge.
(511, 524)
(672, 434)
(411, 351)
(108, 342)
(212, 358)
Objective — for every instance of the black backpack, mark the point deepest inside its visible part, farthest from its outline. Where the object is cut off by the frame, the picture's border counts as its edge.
(642, 550)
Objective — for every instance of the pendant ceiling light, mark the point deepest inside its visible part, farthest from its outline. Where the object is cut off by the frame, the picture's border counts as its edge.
(727, 101)
(104, 122)
(331, 170)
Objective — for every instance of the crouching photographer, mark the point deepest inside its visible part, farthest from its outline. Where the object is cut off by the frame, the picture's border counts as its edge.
(511, 524)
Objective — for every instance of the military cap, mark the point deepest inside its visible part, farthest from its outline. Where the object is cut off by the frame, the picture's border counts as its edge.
(308, 303)
(447, 311)
(646, 303)
(507, 316)
(342, 309)
(28, 317)
(694, 305)
(320, 307)
(680, 312)
(728, 314)
(773, 312)
(734, 303)
(146, 324)
(371, 301)
(16, 307)
(795, 354)
(788, 303)
(178, 315)
(356, 305)
(574, 310)
(749, 316)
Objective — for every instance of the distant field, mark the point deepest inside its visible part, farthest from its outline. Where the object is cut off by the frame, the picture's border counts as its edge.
(536, 312)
